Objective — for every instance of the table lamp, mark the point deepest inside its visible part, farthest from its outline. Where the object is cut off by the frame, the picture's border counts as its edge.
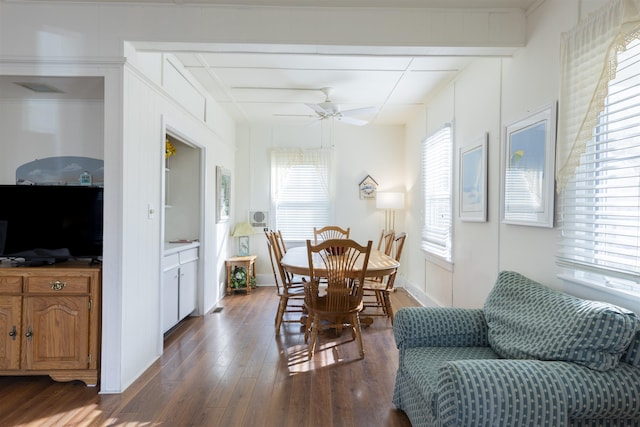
(242, 231)
(390, 201)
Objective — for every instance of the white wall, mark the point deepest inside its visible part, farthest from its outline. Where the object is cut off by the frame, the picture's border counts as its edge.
(530, 81)
(148, 112)
(475, 244)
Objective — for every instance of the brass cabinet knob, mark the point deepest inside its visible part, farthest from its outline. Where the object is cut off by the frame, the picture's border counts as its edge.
(57, 285)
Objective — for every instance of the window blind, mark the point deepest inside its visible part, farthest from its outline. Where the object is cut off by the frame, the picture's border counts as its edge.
(600, 205)
(300, 184)
(436, 184)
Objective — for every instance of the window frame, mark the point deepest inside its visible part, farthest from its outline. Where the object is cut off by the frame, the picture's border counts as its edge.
(437, 235)
(589, 250)
(322, 210)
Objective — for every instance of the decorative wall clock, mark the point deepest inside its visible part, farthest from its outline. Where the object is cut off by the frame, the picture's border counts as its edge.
(368, 188)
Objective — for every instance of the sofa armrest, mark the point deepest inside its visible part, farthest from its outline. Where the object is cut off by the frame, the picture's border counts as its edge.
(501, 392)
(439, 327)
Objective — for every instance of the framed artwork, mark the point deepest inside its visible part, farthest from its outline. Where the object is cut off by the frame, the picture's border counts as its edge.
(528, 181)
(473, 181)
(368, 188)
(243, 245)
(223, 194)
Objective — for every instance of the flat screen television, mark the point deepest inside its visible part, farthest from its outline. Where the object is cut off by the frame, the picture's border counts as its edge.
(47, 224)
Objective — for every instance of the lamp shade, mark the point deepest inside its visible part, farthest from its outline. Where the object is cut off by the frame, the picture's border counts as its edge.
(242, 229)
(390, 200)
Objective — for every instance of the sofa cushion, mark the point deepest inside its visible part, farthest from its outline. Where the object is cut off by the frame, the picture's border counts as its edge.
(632, 355)
(421, 364)
(527, 320)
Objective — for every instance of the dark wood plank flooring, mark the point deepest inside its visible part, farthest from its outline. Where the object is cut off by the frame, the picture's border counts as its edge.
(228, 368)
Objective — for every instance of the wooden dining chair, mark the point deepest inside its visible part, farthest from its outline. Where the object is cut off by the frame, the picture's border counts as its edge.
(386, 241)
(290, 288)
(330, 232)
(385, 244)
(376, 291)
(341, 302)
(280, 240)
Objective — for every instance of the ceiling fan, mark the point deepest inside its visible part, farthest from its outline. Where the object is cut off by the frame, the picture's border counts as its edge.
(330, 110)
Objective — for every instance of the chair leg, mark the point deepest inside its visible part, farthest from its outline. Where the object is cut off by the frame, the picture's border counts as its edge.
(314, 336)
(381, 302)
(355, 320)
(387, 305)
(308, 327)
(280, 314)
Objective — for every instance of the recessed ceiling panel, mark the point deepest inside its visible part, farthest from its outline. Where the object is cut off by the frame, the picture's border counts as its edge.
(349, 86)
(416, 86)
(442, 63)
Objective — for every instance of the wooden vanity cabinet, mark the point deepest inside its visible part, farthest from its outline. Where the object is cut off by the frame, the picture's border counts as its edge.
(50, 322)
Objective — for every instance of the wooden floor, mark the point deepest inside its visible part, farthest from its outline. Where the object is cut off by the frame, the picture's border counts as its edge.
(228, 368)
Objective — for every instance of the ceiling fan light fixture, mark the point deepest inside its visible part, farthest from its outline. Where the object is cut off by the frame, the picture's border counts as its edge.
(330, 108)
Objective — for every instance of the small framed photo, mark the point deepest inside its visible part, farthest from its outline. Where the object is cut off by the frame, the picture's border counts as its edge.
(223, 194)
(473, 181)
(243, 245)
(528, 180)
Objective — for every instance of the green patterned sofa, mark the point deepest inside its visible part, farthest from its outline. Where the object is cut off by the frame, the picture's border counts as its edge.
(531, 357)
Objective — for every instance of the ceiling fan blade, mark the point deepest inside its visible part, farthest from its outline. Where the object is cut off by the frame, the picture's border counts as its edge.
(352, 120)
(318, 109)
(360, 111)
(313, 116)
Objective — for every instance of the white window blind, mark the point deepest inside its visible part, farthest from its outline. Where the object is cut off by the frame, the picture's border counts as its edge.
(600, 205)
(436, 184)
(300, 182)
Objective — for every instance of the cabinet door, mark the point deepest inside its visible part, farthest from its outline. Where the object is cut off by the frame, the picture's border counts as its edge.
(170, 299)
(55, 332)
(10, 314)
(188, 278)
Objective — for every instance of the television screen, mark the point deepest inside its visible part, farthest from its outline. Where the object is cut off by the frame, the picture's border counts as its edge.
(50, 223)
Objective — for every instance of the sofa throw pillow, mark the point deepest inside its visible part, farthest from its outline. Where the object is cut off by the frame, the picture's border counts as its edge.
(527, 320)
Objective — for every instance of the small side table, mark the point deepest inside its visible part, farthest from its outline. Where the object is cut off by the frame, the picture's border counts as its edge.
(248, 262)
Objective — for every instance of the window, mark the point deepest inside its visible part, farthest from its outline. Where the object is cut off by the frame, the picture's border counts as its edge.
(301, 195)
(436, 184)
(600, 211)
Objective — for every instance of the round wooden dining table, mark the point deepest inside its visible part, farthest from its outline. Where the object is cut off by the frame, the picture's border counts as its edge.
(296, 261)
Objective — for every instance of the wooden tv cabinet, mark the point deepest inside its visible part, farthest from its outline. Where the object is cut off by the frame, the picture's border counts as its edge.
(50, 321)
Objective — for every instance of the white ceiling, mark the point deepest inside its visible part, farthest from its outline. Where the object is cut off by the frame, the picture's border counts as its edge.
(257, 87)
(253, 85)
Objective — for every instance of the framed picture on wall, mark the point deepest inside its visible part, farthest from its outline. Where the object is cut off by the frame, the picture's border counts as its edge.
(223, 194)
(528, 180)
(473, 181)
